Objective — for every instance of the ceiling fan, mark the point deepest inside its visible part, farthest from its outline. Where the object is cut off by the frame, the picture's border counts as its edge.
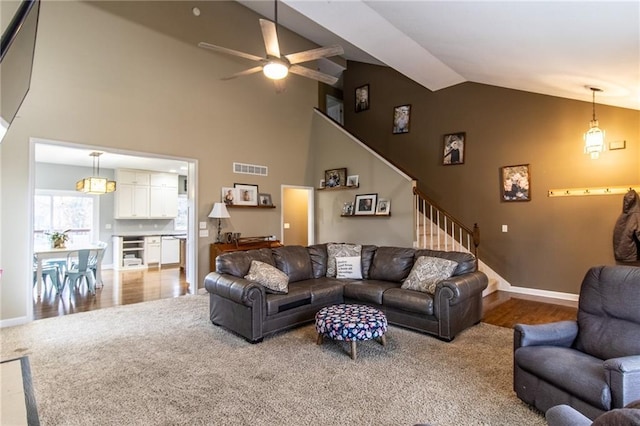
(276, 66)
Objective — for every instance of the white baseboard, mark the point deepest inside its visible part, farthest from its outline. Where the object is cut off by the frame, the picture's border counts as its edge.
(12, 322)
(544, 293)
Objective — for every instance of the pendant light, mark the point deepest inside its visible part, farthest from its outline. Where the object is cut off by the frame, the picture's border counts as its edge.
(276, 69)
(95, 184)
(594, 137)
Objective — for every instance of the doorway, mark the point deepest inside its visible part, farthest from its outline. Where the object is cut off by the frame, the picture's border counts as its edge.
(297, 215)
(64, 160)
(335, 109)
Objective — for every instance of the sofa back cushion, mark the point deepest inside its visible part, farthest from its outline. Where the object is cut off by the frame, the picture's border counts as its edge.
(293, 261)
(608, 313)
(368, 251)
(391, 263)
(466, 261)
(318, 256)
(237, 263)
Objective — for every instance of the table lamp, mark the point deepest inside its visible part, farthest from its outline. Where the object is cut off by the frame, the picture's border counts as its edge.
(219, 211)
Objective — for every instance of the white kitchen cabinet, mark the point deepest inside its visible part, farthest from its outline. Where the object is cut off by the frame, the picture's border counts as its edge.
(132, 194)
(128, 252)
(163, 196)
(170, 250)
(152, 249)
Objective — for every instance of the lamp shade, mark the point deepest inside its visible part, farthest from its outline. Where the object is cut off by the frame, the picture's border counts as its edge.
(219, 211)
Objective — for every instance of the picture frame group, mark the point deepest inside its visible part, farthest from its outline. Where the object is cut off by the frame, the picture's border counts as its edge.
(243, 194)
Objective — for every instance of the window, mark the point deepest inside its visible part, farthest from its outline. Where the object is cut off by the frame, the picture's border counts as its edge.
(65, 210)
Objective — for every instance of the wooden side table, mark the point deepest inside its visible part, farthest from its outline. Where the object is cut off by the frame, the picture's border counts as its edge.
(217, 248)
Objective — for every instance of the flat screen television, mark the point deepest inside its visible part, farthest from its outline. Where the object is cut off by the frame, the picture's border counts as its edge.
(16, 61)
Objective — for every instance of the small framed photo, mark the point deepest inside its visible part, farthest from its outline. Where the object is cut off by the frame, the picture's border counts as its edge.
(362, 98)
(265, 199)
(515, 183)
(365, 204)
(401, 116)
(383, 207)
(335, 177)
(229, 195)
(347, 208)
(321, 183)
(353, 180)
(453, 152)
(247, 194)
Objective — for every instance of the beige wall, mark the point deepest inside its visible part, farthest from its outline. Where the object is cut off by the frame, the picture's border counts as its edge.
(333, 148)
(112, 79)
(551, 241)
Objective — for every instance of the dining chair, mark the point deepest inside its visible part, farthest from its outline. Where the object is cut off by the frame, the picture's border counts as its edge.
(48, 270)
(96, 259)
(78, 269)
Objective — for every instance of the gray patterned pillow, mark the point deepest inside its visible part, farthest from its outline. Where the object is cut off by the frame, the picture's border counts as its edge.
(270, 277)
(427, 272)
(340, 250)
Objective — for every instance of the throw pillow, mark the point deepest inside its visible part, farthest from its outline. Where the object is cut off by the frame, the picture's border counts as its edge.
(427, 272)
(340, 250)
(270, 277)
(349, 267)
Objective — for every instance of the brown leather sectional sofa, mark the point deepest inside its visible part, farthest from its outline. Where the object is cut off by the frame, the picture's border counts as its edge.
(245, 308)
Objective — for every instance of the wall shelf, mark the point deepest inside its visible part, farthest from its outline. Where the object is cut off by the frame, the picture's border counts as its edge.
(365, 215)
(235, 206)
(337, 188)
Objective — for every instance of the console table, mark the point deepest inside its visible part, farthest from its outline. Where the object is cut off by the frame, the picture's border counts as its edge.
(218, 248)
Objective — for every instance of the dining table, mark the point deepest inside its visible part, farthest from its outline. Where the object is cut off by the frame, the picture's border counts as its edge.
(42, 253)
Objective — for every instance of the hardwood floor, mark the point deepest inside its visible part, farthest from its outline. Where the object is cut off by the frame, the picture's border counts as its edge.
(122, 288)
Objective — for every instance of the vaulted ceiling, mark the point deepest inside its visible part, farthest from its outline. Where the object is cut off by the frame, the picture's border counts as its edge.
(555, 48)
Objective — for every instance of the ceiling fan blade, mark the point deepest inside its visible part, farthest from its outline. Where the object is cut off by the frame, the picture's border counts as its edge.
(270, 36)
(245, 72)
(310, 55)
(229, 51)
(316, 75)
(280, 85)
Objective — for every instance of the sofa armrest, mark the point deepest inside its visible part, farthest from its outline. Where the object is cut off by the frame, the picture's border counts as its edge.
(623, 377)
(461, 287)
(234, 288)
(561, 333)
(564, 415)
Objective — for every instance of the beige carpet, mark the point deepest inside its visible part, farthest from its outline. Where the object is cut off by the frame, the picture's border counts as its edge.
(164, 363)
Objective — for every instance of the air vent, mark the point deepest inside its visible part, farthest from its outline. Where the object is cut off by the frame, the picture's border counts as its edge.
(250, 169)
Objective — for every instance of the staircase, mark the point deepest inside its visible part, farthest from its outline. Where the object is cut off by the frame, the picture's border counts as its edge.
(438, 230)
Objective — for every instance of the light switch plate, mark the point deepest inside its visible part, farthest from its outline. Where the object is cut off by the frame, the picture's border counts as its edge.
(505, 228)
(204, 233)
(203, 225)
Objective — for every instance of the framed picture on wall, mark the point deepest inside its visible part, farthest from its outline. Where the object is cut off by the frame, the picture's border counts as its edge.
(383, 207)
(335, 177)
(365, 204)
(247, 194)
(453, 152)
(515, 183)
(229, 195)
(362, 98)
(353, 180)
(265, 199)
(401, 117)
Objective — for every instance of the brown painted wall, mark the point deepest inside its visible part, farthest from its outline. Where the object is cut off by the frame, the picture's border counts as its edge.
(551, 241)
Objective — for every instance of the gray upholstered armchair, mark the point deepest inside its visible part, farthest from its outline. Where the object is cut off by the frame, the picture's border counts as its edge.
(592, 365)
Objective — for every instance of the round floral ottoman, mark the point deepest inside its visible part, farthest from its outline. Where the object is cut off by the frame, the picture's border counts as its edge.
(351, 323)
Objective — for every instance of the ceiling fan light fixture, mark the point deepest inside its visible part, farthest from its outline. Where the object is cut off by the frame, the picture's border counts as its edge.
(594, 137)
(275, 70)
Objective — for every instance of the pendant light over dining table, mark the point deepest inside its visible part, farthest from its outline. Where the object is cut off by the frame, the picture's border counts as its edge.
(594, 137)
(95, 184)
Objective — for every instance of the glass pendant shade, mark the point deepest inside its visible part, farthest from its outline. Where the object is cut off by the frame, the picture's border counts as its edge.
(594, 140)
(94, 184)
(275, 70)
(594, 137)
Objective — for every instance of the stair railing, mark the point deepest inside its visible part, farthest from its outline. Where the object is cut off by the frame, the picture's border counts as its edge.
(438, 230)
